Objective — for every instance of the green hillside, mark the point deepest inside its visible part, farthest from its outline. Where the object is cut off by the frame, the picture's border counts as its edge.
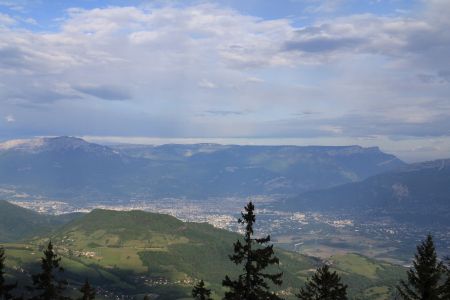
(17, 223)
(136, 253)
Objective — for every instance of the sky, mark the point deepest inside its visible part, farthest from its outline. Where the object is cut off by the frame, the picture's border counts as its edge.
(336, 72)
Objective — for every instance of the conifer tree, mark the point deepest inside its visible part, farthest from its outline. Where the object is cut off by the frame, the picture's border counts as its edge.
(424, 276)
(47, 283)
(324, 285)
(446, 287)
(200, 292)
(5, 289)
(87, 291)
(253, 283)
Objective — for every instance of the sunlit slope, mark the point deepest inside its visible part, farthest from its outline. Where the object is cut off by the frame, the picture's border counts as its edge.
(163, 254)
(160, 246)
(137, 252)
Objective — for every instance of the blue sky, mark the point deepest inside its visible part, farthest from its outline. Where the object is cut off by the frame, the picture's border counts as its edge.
(301, 72)
(48, 14)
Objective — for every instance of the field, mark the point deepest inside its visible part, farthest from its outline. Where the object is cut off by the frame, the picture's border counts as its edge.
(137, 253)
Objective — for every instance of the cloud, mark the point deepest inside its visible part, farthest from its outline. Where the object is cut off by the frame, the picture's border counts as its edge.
(361, 125)
(323, 44)
(305, 114)
(400, 38)
(441, 77)
(204, 83)
(105, 92)
(321, 6)
(12, 57)
(35, 94)
(361, 74)
(10, 119)
(16, 5)
(225, 113)
(6, 20)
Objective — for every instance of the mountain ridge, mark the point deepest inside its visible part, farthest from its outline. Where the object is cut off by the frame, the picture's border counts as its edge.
(75, 170)
(415, 193)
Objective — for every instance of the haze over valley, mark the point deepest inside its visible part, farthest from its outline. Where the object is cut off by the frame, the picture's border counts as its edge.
(316, 200)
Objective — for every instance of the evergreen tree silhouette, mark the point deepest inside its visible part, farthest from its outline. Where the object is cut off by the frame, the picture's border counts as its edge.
(446, 287)
(47, 283)
(424, 276)
(200, 292)
(253, 284)
(87, 291)
(5, 289)
(323, 285)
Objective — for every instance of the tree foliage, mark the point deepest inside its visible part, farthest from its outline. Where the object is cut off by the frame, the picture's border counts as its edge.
(424, 277)
(87, 291)
(255, 256)
(200, 292)
(47, 283)
(446, 286)
(323, 285)
(5, 289)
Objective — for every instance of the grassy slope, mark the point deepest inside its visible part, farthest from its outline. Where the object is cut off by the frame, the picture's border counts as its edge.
(17, 223)
(138, 252)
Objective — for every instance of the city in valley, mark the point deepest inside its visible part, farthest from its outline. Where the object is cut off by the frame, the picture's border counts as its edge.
(311, 233)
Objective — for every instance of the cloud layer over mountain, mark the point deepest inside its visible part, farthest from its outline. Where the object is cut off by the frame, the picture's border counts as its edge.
(211, 70)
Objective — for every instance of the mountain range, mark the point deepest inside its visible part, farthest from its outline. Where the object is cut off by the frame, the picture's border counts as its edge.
(349, 179)
(417, 193)
(363, 182)
(74, 170)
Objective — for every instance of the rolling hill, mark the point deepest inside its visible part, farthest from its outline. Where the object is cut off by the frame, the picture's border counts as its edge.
(17, 223)
(135, 253)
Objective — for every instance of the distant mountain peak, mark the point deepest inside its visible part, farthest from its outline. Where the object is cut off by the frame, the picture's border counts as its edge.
(65, 139)
(60, 143)
(67, 143)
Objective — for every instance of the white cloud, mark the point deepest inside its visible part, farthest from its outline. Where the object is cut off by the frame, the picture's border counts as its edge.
(204, 83)
(323, 6)
(363, 74)
(6, 20)
(10, 119)
(17, 5)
